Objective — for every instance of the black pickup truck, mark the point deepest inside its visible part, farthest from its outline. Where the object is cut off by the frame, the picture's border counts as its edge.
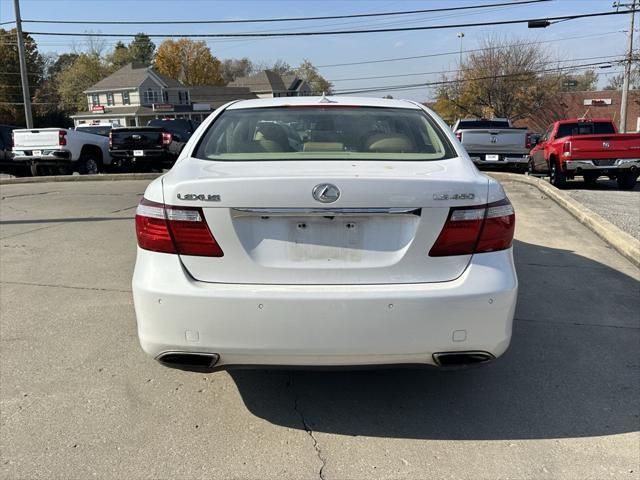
(153, 147)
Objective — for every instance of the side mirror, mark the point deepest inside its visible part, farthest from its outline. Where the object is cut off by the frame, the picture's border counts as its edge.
(177, 138)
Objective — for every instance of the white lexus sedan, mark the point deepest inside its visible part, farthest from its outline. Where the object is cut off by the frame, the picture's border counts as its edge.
(320, 232)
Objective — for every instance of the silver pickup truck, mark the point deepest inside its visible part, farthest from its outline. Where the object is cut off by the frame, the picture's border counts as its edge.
(494, 142)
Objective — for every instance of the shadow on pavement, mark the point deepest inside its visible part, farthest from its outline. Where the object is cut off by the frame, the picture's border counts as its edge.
(571, 371)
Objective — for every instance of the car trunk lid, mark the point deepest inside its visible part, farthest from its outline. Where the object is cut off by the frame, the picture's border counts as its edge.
(273, 231)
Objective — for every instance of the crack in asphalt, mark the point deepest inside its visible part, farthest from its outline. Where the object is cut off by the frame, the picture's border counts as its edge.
(567, 324)
(308, 429)
(100, 289)
(27, 194)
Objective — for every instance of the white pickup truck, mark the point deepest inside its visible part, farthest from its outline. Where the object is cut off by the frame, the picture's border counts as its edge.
(60, 151)
(494, 143)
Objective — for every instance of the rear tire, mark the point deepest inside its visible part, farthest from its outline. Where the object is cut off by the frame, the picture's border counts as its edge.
(557, 178)
(88, 165)
(590, 179)
(627, 180)
(531, 169)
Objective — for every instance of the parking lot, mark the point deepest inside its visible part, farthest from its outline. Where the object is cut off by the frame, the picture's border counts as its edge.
(79, 399)
(622, 208)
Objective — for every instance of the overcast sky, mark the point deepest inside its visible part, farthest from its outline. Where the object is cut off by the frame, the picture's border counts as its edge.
(600, 37)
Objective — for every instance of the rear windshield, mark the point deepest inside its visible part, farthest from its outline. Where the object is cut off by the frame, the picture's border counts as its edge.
(585, 128)
(333, 133)
(484, 124)
(97, 130)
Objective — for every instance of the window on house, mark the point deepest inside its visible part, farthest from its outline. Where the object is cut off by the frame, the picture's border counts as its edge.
(110, 98)
(165, 96)
(186, 97)
(180, 97)
(150, 96)
(125, 98)
(95, 99)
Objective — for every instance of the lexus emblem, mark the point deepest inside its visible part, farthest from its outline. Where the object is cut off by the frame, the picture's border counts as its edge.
(326, 193)
(605, 144)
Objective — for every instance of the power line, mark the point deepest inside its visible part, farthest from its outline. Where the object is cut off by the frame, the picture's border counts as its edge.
(457, 52)
(331, 32)
(448, 82)
(458, 70)
(289, 19)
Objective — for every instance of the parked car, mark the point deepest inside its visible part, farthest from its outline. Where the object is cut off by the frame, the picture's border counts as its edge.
(7, 164)
(52, 151)
(494, 142)
(375, 241)
(590, 148)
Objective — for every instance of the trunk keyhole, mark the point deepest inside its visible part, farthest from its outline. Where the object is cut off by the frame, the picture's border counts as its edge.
(302, 225)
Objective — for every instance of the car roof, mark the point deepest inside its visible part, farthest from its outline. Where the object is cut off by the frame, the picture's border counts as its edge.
(316, 101)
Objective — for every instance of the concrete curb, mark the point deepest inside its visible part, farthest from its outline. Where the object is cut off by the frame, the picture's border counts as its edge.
(625, 244)
(107, 177)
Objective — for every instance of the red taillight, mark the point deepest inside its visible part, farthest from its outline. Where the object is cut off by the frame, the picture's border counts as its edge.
(181, 230)
(167, 138)
(459, 136)
(527, 141)
(62, 137)
(110, 139)
(481, 229)
(566, 149)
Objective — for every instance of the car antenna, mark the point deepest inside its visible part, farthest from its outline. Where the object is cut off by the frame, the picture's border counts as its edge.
(324, 99)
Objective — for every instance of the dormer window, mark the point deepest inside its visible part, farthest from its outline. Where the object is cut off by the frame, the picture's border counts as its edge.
(125, 98)
(150, 96)
(110, 99)
(95, 99)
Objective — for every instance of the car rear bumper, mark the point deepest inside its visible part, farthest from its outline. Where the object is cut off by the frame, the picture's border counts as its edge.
(324, 325)
(52, 156)
(504, 159)
(602, 165)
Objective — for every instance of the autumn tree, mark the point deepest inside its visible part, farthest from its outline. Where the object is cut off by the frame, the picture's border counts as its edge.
(85, 71)
(120, 56)
(308, 72)
(189, 62)
(11, 101)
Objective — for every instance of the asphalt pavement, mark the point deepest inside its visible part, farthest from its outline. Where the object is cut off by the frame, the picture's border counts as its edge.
(622, 208)
(79, 399)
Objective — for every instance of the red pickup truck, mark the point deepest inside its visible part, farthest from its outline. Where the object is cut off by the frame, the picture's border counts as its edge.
(589, 148)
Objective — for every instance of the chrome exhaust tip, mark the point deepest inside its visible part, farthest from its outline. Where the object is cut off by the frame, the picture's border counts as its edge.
(189, 361)
(461, 359)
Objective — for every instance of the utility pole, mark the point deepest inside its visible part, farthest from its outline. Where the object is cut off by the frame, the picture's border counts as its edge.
(23, 68)
(627, 68)
(460, 35)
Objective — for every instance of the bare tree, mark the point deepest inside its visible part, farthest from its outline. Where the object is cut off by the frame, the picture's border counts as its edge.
(504, 79)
